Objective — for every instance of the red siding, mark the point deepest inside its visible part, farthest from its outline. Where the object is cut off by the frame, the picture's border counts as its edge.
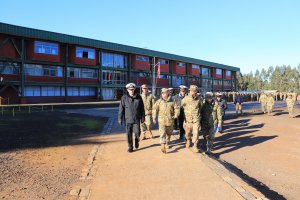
(179, 70)
(192, 71)
(194, 83)
(216, 75)
(139, 65)
(10, 93)
(83, 80)
(163, 82)
(10, 77)
(80, 61)
(141, 80)
(42, 57)
(45, 79)
(225, 76)
(164, 68)
(8, 50)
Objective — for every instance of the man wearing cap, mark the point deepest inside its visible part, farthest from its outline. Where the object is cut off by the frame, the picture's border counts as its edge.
(167, 110)
(178, 99)
(131, 113)
(290, 102)
(211, 117)
(223, 105)
(148, 100)
(192, 105)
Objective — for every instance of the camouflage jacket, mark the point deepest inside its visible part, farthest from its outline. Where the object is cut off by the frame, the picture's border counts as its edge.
(211, 115)
(290, 102)
(263, 98)
(148, 101)
(166, 110)
(192, 108)
(270, 100)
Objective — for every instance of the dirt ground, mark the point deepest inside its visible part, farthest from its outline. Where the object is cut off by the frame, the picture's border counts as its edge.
(265, 149)
(42, 154)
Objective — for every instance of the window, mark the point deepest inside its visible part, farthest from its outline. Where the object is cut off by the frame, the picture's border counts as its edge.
(113, 77)
(81, 91)
(178, 80)
(114, 60)
(181, 64)
(9, 68)
(42, 70)
(142, 58)
(206, 83)
(163, 62)
(205, 72)
(85, 53)
(219, 71)
(228, 73)
(217, 82)
(82, 73)
(164, 76)
(31, 91)
(46, 48)
(195, 66)
(227, 83)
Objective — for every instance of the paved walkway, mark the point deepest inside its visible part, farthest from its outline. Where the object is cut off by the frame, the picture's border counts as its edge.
(149, 174)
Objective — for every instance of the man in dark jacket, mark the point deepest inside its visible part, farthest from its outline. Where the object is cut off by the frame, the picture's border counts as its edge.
(178, 98)
(238, 103)
(223, 105)
(131, 113)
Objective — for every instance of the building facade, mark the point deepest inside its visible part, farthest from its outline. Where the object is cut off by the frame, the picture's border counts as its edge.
(39, 66)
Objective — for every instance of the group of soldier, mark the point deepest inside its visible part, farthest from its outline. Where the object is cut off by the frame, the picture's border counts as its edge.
(267, 102)
(193, 114)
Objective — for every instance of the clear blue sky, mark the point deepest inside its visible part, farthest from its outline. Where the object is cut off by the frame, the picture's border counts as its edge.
(248, 34)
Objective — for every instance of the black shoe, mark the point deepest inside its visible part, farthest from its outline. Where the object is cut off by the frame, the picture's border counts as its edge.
(136, 145)
(130, 150)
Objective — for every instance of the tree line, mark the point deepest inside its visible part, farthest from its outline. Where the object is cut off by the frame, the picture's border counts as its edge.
(281, 78)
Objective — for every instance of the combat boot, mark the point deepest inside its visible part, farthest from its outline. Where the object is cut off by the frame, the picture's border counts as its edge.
(195, 149)
(188, 143)
(163, 148)
(167, 145)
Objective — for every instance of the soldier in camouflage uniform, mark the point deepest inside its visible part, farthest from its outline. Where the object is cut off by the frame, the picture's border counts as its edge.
(211, 117)
(178, 98)
(167, 110)
(270, 103)
(263, 102)
(290, 102)
(148, 100)
(192, 105)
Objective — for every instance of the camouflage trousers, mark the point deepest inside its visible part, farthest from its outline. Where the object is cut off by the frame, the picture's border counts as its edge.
(264, 107)
(291, 110)
(165, 133)
(269, 109)
(208, 136)
(192, 130)
(146, 126)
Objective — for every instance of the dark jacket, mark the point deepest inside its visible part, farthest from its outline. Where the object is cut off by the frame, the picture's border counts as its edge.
(131, 109)
(223, 105)
(239, 99)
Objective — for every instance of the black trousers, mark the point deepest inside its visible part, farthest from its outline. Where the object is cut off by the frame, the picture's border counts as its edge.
(181, 129)
(130, 129)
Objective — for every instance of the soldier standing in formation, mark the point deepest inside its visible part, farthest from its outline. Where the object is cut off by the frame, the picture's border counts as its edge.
(263, 102)
(178, 98)
(270, 103)
(290, 102)
(210, 118)
(192, 105)
(132, 113)
(167, 110)
(148, 100)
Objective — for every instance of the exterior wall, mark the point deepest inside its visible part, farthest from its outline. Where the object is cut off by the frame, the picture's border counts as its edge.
(8, 50)
(81, 61)
(44, 79)
(225, 76)
(164, 68)
(139, 65)
(31, 55)
(178, 69)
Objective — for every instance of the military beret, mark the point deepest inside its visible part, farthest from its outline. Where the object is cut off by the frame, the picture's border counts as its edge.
(130, 85)
(164, 90)
(193, 87)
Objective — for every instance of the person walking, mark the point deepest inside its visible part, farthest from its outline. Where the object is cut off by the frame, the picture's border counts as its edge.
(290, 102)
(270, 103)
(132, 114)
(263, 102)
(178, 99)
(223, 105)
(238, 103)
